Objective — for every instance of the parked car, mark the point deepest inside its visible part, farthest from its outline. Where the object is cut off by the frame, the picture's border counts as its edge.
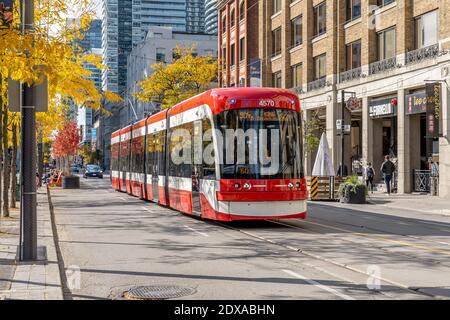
(93, 170)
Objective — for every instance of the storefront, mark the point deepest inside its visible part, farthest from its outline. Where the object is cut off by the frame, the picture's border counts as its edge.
(423, 144)
(383, 114)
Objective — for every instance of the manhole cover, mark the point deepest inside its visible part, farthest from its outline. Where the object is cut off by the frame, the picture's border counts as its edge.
(158, 292)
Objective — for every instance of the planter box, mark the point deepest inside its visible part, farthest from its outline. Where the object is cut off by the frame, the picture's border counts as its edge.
(72, 182)
(358, 197)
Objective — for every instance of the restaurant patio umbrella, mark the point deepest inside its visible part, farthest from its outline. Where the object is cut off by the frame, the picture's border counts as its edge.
(323, 167)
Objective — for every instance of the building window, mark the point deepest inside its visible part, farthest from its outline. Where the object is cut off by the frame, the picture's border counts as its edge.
(382, 3)
(297, 72)
(386, 44)
(354, 55)
(242, 49)
(276, 41)
(320, 13)
(276, 78)
(160, 55)
(320, 67)
(242, 11)
(353, 9)
(232, 54)
(224, 24)
(276, 6)
(224, 57)
(297, 31)
(241, 82)
(427, 29)
(232, 18)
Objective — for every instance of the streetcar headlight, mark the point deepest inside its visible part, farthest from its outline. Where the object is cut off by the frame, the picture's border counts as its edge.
(247, 186)
(298, 185)
(237, 185)
(290, 185)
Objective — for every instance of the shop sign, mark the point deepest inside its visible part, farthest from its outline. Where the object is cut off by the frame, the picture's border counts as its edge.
(417, 103)
(433, 109)
(381, 108)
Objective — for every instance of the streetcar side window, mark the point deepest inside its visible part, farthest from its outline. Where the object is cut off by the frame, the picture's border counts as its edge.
(180, 154)
(161, 152)
(150, 152)
(138, 155)
(114, 156)
(209, 164)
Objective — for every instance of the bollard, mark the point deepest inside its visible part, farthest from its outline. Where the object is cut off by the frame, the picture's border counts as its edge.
(314, 187)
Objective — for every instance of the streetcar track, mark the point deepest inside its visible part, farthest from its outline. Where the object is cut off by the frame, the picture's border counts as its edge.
(392, 233)
(320, 258)
(379, 247)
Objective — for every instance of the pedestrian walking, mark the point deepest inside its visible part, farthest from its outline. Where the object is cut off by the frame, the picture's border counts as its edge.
(38, 179)
(369, 175)
(387, 170)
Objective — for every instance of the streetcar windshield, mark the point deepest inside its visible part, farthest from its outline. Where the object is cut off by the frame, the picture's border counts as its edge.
(260, 144)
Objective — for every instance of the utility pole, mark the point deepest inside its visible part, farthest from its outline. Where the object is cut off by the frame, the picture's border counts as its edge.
(28, 247)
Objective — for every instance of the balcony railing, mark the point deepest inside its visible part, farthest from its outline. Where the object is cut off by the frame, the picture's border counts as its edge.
(422, 54)
(382, 66)
(317, 84)
(350, 75)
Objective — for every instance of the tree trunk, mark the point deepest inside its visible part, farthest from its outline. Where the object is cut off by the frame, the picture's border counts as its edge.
(14, 166)
(6, 166)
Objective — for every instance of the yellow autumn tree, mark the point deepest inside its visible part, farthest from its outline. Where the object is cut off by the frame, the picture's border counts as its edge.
(50, 51)
(187, 76)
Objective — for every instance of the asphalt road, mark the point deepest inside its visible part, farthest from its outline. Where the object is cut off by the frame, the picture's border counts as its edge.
(119, 242)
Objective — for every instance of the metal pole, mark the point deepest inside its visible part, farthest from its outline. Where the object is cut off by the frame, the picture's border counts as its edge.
(40, 148)
(28, 163)
(342, 132)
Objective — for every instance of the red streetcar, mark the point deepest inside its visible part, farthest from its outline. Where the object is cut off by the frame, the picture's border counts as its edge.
(226, 154)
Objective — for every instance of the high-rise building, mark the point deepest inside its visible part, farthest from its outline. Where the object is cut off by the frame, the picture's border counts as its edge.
(211, 16)
(159, 46)
(93, 37)
(377, 65)
(195, 16)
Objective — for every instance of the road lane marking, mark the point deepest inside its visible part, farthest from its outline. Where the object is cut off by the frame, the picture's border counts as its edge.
(201, 233)
(403, 243)
(146, 209)
(123, 199)
(317, 284)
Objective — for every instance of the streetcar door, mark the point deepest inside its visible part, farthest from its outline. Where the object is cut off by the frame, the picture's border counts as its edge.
(155, 171)
(196, 167)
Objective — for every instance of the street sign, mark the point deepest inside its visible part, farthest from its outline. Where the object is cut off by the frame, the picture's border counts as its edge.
(339, 124)
(347, 128)
(40, 96)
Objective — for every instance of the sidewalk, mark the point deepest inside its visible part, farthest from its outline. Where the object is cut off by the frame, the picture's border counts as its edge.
(413, 202)
(29, 281)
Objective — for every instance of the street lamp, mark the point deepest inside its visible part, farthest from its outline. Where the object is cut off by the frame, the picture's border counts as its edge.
(342, 133)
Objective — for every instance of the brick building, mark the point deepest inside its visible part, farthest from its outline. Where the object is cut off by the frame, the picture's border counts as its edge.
(238, 51)
(381, 52)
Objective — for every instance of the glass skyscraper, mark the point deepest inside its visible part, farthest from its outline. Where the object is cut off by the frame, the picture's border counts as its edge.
(211, 16)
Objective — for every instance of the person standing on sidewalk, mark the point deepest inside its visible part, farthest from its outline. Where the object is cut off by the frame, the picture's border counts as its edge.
(369, 174)
(387, 170)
